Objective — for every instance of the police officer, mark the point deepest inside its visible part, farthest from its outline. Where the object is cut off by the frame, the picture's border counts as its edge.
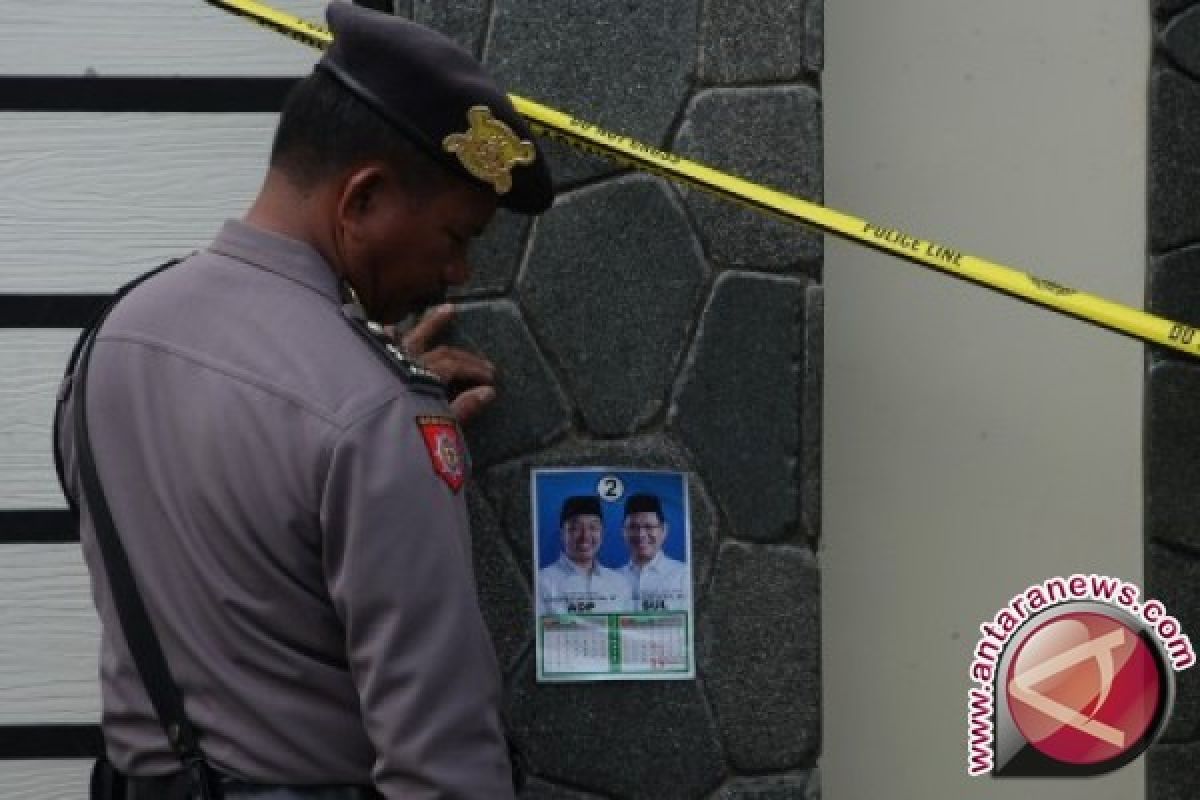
(577, 583)
(289, 492)
(656, 581)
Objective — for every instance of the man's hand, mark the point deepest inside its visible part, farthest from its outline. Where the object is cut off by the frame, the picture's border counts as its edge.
(470, 377)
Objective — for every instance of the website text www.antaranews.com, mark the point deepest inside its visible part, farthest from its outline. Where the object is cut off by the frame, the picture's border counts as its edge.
(1037, 598)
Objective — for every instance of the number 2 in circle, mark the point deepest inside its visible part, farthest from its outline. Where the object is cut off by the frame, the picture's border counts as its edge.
(610, 488)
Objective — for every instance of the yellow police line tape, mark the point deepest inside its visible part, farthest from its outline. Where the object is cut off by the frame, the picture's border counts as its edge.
(624, 150)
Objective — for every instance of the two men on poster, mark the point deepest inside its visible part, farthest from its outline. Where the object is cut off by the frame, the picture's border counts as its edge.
(577, 582)
(614, 582)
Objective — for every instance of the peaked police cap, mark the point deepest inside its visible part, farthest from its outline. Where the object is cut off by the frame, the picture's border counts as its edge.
(438, 96)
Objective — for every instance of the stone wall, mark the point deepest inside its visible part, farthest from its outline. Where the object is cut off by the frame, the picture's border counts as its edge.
(1172, 430)
(638, 324)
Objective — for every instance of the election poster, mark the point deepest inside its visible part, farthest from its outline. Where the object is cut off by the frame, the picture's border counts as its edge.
(613, 596)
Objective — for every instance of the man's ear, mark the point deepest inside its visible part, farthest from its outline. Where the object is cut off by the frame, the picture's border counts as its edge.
(360, 195)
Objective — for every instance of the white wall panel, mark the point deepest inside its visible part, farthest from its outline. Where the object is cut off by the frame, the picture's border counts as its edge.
(49, 637)
(44, 780)
(31, 364)
(90, 200)
(148, 37)
(974, 445)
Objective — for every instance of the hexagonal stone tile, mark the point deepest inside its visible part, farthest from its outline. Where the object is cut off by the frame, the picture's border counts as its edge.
(507, 487)
(786, 36)
(1174, 172)
(495, 256)
(503, 594)
(464, 21)
(810, 414)
(1172, 771)
(769, 136)
(613, 277)
(814, 31)
(633, 739)
(1173, 577)
(798, 786)
(1172, 461)
(530, 410)
(1181, 40)
(739, 405)
(623, 65)
(761, 656)
(1175, 285)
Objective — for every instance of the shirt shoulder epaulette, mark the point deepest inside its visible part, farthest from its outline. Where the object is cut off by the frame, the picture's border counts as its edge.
(416, 376)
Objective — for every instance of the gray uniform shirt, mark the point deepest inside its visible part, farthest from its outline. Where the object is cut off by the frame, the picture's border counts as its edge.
(305, 561)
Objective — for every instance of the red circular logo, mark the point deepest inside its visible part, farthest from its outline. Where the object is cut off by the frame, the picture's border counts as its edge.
(1084, 688)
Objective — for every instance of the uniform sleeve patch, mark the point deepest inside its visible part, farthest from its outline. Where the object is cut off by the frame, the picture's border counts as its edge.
(447, 450)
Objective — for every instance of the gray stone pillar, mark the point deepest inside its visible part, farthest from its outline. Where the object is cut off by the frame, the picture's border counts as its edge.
(641, 324)
(1172, 433)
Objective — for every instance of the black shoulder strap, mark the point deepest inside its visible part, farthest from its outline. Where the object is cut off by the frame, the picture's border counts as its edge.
(398, 361)
(73, 360)
(131, 610)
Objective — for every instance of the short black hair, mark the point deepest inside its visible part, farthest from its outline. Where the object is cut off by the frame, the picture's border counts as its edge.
(324, 129)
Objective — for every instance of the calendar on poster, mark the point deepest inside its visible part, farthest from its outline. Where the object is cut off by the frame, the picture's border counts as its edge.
(613, 565)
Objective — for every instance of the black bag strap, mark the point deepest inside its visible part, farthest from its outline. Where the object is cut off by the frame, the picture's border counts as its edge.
(73, 360)
(131, 609)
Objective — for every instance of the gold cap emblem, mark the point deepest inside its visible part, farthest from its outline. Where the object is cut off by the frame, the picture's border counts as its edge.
(489, 149)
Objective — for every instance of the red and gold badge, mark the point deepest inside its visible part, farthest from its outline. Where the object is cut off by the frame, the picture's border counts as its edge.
(447, 450)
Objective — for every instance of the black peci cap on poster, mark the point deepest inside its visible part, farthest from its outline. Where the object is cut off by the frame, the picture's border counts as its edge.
(580, 504)
(643, 503)
(441, 98)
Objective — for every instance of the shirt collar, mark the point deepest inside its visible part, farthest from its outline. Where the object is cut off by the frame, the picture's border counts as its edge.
(652, 565)
(570, 566)
(274, 252)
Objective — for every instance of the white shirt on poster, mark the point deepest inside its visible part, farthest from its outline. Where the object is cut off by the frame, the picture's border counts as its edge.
(565, 588)
(662, 585)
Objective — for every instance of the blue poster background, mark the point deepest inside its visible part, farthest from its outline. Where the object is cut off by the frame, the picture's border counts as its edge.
(551, 488)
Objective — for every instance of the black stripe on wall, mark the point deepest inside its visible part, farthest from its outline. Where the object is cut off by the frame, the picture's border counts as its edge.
(182, 94)
(50, 310)
(37, 527)
(50, 741)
